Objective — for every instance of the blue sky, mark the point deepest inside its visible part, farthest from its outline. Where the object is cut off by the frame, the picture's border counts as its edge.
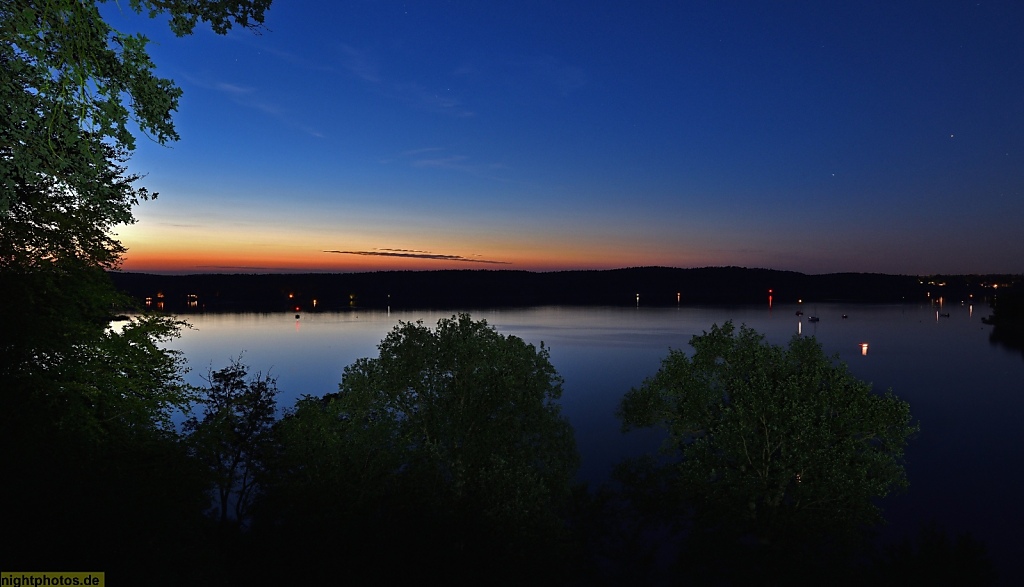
(807, 136)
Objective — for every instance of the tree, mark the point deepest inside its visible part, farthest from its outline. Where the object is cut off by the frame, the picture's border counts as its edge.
(65, 78)
(779, 445)
(83, 398)
(85, 426)
(450, 441)
(232, 437)
(65, 75)
(70, 87)
(80, 69)
(466, 407)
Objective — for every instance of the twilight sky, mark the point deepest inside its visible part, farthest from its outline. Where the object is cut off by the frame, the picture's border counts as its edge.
(812, 136)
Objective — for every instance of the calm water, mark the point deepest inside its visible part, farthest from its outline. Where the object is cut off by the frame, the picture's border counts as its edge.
(965, 468)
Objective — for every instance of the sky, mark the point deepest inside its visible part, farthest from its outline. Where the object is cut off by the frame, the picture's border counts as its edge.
(810, 136)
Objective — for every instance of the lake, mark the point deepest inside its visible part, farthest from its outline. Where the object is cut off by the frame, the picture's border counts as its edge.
(965, 466)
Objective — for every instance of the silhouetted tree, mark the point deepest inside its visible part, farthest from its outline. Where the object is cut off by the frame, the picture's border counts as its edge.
(450, 443)
(232, 437)
(85, 403)
(778, 451)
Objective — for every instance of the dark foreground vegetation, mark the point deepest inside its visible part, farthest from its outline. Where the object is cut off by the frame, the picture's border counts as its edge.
(650, 286)
(446, 457)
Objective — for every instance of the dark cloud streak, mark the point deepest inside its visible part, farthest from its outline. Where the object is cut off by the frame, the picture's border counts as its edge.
(414, 254)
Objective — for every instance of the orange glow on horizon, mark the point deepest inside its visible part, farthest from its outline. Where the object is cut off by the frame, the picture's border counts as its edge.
(197, 262)
(162, 249)
(236, 247)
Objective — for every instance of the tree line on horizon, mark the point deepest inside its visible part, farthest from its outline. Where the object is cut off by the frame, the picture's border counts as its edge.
(655, 286)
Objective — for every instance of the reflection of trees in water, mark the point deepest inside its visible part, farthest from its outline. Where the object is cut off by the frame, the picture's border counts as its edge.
(935, 558)
(1007, 321)
(1009, 338)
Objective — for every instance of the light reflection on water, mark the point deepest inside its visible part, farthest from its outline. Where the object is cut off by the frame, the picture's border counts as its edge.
(968, 395)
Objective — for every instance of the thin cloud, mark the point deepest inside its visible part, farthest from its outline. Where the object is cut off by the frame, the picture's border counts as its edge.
(414, 152)
(416, 254)
(432, 100)
(312, 131)
(454, 162)
(251, 98)
(550, 73)
(360, 64)
(232, 88)
(450, 162)
(365, 65)
(564, 77)
(294, 59)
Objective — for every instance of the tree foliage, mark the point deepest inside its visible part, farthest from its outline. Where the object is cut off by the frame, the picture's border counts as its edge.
(60, 221)
(72, 87)
(466, 408)
(773, 443)
(451, 438)
(86, 402)
(76, 68)
(232, 437)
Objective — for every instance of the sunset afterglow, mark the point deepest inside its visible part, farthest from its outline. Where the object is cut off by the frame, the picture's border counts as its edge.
(853, 137)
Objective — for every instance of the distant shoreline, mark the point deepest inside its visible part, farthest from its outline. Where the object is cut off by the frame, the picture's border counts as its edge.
(655, 286)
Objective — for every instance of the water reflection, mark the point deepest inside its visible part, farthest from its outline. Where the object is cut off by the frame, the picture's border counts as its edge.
(965, 392)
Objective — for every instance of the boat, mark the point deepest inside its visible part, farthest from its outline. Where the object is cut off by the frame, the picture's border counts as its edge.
(799, 313)
(813, 319)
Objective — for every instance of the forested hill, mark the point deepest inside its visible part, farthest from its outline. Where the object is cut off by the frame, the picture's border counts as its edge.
(656, 286)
